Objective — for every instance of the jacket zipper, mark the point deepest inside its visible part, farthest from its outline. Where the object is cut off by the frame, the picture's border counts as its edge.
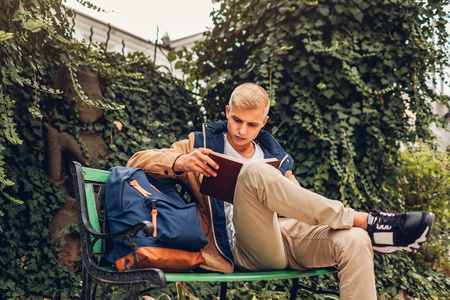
(210, 210)
(282, 161)
(214, 234)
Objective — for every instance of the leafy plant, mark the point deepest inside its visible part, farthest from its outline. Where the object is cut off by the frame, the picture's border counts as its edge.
(146, 108)
(424, 184)
(350, 82)
(35, 39)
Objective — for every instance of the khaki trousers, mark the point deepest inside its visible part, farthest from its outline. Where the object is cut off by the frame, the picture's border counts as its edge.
(316, 231)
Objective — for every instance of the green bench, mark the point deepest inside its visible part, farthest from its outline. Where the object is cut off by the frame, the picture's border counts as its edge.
(89, 185)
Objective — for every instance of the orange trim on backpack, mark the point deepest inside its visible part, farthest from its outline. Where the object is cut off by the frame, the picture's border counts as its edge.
(140, 189)
(154, 214)
(168, 260)
(155, 188)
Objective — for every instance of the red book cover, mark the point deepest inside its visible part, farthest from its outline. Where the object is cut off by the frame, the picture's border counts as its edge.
(222, 186)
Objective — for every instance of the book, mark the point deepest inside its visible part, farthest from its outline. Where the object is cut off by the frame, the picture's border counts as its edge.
(223, 185)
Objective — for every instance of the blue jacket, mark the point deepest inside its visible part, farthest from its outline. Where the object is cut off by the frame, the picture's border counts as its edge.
(213, 135)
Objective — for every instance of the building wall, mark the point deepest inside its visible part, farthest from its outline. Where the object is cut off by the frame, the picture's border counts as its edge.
(92, 30)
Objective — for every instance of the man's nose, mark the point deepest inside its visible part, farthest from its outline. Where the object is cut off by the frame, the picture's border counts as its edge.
(243, 129)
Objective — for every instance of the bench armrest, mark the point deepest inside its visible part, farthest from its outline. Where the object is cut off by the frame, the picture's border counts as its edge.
(145, 226)
(127, 234)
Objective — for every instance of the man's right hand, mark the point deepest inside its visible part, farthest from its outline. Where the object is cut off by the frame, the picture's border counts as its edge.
(196, 161)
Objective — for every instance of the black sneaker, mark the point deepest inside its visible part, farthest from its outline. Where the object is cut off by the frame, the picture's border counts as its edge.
(393, 232)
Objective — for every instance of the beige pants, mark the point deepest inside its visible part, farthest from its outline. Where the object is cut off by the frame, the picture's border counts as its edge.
(317, 232)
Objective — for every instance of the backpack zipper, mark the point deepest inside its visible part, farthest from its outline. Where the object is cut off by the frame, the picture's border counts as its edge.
(140, 189)
(154, 214)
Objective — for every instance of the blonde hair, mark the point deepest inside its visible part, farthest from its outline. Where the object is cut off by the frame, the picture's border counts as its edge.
(250, 96)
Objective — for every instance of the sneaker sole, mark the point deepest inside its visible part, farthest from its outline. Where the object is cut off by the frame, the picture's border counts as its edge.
(414, 246)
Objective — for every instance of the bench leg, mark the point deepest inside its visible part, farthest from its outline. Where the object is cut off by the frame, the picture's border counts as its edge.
(294, 289)
(86, 284)
(223, 290)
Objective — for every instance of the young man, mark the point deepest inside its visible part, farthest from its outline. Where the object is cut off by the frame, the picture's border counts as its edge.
(314, 232)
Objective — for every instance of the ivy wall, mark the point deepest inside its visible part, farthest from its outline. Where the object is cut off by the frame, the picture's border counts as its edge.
(141, 107)
(349, 81)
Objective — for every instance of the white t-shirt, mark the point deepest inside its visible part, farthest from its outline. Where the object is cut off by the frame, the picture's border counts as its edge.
(229, 150)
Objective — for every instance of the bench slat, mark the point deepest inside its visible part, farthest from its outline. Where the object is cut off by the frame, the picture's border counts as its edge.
(244, 276)
(95, 175)
(93, 215)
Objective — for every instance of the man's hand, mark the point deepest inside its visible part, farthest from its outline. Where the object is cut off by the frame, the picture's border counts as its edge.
(198, 161)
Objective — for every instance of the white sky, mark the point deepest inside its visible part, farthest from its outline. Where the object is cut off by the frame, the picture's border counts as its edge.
(179, 18)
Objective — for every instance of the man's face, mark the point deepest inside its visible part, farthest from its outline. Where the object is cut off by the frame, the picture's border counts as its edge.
(244, 125)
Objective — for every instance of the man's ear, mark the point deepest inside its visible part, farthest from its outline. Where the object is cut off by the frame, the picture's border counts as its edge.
(265, 120)
(227, 110)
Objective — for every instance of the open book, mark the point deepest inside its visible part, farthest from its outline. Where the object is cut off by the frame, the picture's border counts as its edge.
(222, 186)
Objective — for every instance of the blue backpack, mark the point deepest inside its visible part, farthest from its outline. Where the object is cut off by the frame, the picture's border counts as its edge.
(177, 240)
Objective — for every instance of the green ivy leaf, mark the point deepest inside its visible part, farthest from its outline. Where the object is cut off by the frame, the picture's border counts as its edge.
(5, 35)
(328, 93)
(35, 112)
(35, 25)
(172, 55)
(321, 86)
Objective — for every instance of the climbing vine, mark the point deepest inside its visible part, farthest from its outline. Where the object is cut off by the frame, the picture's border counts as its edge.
(138, 104)
(350, 83)
(342, 76)
(35, 38)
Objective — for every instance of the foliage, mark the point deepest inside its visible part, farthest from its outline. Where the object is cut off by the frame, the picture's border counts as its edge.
(139, 98)
(350, 82)
(148, 119)
(34, 37)
(22, 25)
(424, 184)
(341, 81)
(310, 288)
(28, 257)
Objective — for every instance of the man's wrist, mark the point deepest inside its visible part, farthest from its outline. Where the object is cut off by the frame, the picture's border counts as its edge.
(176, 165)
